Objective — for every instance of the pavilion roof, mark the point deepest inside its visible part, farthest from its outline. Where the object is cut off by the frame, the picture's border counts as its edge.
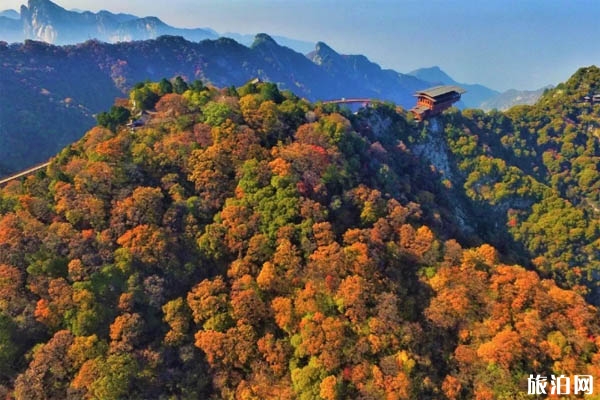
(438, 91)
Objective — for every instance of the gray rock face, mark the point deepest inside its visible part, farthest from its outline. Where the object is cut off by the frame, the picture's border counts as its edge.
(435, 150)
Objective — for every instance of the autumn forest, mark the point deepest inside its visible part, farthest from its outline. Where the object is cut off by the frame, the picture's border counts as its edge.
(244, 243)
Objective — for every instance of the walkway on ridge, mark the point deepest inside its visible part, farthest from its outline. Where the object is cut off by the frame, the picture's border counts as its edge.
(21, 174)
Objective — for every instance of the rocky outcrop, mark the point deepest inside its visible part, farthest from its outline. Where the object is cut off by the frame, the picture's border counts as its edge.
(435, 149)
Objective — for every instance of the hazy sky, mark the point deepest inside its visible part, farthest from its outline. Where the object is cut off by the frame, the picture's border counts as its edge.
(504, 44)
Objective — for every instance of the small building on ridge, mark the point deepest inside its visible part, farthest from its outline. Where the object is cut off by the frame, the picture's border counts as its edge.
(434, 100)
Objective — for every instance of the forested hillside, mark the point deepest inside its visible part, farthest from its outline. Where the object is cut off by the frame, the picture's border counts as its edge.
(536, 169)
(245, 243)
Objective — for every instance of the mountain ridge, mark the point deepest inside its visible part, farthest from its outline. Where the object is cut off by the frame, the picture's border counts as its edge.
(513, 97)
(68, 84)
(47, 21)
(54, 86)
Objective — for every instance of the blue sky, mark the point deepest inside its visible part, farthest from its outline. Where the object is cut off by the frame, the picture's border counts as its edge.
(504, 44)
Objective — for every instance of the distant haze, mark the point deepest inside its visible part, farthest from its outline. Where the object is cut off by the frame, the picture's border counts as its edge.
(499, 43)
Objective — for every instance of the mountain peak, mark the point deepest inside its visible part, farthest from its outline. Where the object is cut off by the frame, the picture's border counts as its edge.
(323, 49)
(433, 74)
(171, 39)
(45, 5)
(151, 21)
(263, 38)
(322, 54)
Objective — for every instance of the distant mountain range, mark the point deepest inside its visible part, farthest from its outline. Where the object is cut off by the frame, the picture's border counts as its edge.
(46, 21)
(513, 97)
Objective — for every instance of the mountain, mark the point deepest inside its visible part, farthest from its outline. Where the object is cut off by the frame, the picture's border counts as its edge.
(297, 45)
(476, 94)
(433, 74)
(513, 97)
(246, 243)
(50, 93)
(46, 21)
(356, 71)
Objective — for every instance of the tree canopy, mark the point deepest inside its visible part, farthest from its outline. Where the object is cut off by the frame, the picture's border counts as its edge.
(245, 243)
